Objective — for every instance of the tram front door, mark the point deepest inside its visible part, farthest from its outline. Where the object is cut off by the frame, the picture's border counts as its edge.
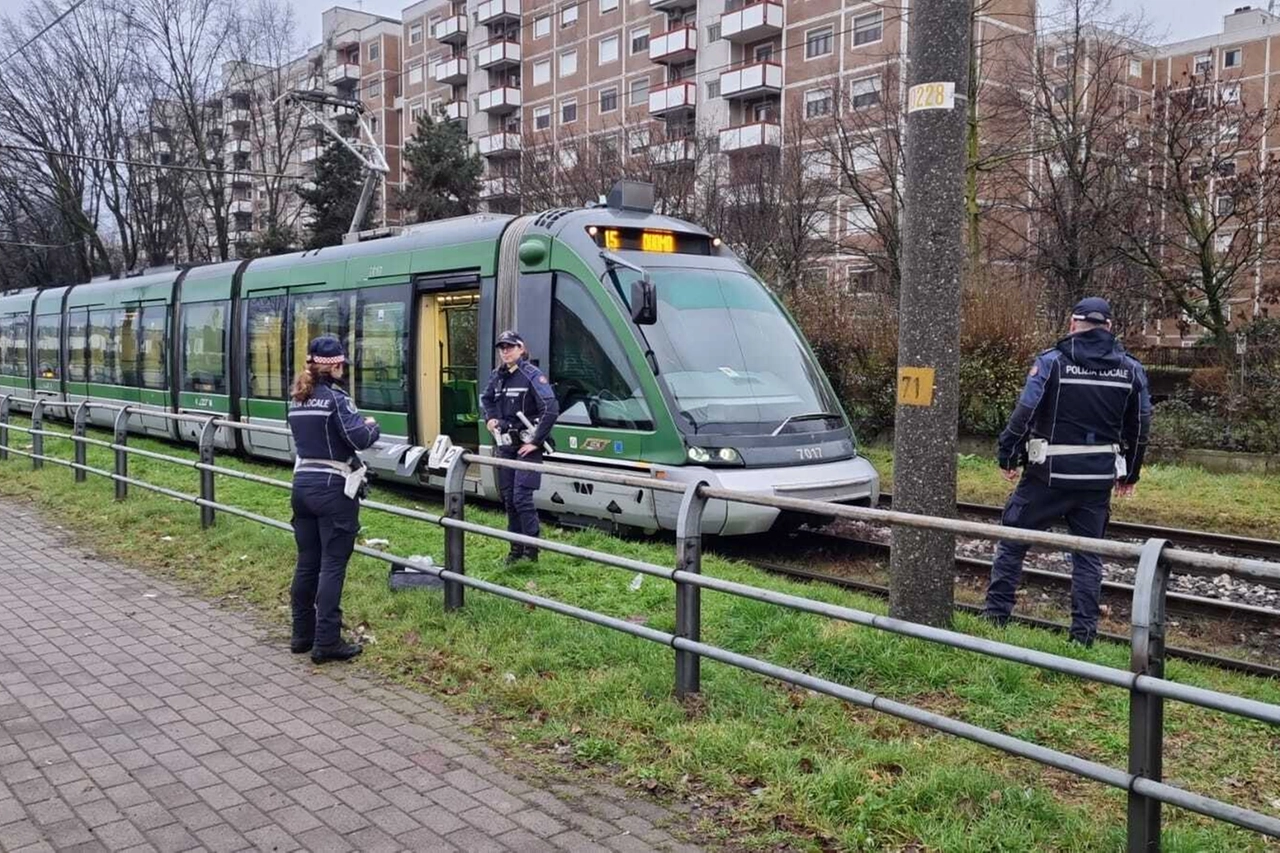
(448, 390)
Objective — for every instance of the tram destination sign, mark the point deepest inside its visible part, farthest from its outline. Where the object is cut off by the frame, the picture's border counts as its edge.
(650, 240)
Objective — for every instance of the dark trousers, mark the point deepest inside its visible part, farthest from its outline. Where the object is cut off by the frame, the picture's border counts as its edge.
(517, 488)
(1034, 506)
(325, 523)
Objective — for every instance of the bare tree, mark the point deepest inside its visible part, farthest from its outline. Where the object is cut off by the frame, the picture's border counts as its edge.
(1208, 201)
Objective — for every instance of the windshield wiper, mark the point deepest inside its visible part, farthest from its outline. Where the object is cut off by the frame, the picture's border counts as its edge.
(809, 417)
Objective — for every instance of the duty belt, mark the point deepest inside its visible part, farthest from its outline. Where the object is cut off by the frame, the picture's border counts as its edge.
(1079, 449)
(301, 464)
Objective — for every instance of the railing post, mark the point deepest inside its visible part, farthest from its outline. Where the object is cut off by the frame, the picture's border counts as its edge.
(4, 428)
(37, 440)
(121, 438)
(207, 433)
(688, 596)
(81, 449)
(1146, 711)
(455, 558)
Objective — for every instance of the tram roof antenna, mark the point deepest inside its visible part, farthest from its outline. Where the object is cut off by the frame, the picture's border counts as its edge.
(632, 195)
(366, 150)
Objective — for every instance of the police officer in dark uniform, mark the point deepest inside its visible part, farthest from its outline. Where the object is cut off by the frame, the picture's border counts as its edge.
(518, 387)
(327, 432)
(1080, 428)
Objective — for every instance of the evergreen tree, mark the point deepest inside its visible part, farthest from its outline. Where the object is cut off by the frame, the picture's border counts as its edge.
(339, 180)
(274, 240)
(443, 175)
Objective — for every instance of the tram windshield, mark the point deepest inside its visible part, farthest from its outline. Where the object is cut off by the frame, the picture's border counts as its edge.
(730, 357)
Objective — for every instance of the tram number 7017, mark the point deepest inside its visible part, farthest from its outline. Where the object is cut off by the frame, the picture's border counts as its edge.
(808, 453)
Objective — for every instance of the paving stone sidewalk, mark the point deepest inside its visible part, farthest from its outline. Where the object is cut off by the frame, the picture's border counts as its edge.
(134, 716)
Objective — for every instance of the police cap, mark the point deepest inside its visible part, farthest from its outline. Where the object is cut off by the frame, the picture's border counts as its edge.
(1092, 308)
(326, 349)
(509, 337)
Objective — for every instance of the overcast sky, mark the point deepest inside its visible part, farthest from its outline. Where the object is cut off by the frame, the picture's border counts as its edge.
(1170, 20)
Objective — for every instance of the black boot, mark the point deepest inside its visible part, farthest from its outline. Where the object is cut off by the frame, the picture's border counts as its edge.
(515, 555)
(342, 651)
(531, 554)
(300, 645)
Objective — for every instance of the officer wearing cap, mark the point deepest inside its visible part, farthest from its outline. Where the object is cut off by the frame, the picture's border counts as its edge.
(327, 431)
(517, 387)
(1080, 428)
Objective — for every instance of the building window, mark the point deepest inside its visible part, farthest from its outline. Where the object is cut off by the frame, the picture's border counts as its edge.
(639, 40)
(415, 113)
(639, 92)
(763, 111)
(569, 15)
(817, 164)
(374, 52)
(373, 125)
(1063, 58)
(569, 111)
(868, 28)
(818, 43)
(763, 52)
(374, 89)
(436, 106)
(865, 92)
(1226, 205)
(568, 63)
(638, 140)
(1203, 63)
(541, 118)
(542, 72)
(608, 50)
(1230, 94)
(542, 26)
(608, 100)
(415, 33)
(608, 6)
(713, 32)
(1233, 58)
(817, 103)
(415, 74)
(1060, 92)
(713, 88)
(1135, 67)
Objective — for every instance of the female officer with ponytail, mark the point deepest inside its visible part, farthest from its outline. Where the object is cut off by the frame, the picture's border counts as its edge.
(327, 432)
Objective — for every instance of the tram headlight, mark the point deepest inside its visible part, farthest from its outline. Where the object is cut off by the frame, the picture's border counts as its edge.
(699, 455)
(728, 455)
(715, 456)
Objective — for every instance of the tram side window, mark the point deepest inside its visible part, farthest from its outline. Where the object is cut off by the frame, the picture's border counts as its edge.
(315, 314)
(204, 354)
(102, 347)
(19, 365)
(48, 358)
(594, 382)
(127, 346)
(382, 381)
(77, 338)
(153, 351)
(266, 347)
(6, 344)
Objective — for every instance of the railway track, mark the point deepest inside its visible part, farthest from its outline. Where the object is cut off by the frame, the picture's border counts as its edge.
(1244, 546)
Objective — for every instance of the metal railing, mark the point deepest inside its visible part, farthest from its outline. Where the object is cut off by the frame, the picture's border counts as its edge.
(1144, 680)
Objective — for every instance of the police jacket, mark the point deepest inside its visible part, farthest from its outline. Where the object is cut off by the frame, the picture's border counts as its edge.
(1086, 391)
(520, 388)
(327, 425)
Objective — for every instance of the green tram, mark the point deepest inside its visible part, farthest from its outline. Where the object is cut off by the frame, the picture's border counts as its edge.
(668, 356)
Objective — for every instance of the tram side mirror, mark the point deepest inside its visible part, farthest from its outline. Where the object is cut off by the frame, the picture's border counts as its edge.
(644, 302)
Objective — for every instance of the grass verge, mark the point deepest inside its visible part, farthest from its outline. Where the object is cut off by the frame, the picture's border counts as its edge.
(1169, 495)
(771, 766)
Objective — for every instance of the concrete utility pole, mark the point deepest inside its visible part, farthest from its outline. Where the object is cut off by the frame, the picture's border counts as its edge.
(921, 587)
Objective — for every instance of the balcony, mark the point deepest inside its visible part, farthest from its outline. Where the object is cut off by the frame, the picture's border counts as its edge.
(499, 145)
(671, 5)
(756, 78)
(456, 111)
(673, 100)
(500, 101)
(500, 187)
(499, 54)
(236, 118)
(240, 179)
(674, 47)
(341, 75)
(161, 146)
(451, 71)
(498, 11)
(241, 205)
(237, 146)
(310, 154)
(751, 137)
(673, 153)
(240, 236)
(452, 30)
(752, 23)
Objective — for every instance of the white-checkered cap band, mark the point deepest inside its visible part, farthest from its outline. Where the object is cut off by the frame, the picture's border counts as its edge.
(327, 359)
